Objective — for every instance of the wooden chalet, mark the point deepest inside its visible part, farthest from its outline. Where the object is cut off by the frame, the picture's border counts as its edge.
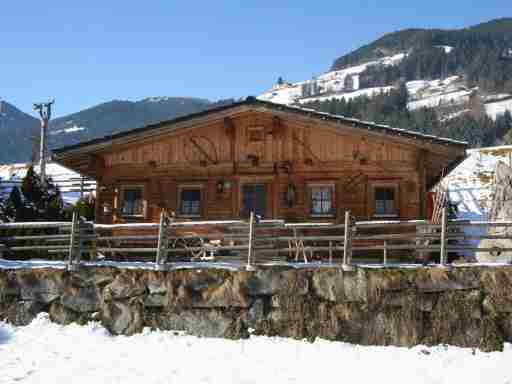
(279, 161)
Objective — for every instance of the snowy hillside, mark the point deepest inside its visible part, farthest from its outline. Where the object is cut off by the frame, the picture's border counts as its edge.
(341, 84)
(440, 92)
(450, 95)
(44, 352)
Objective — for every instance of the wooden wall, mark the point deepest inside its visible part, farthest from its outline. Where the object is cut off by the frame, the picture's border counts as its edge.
(260, 147)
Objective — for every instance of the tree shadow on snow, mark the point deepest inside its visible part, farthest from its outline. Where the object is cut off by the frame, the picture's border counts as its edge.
(5, 335)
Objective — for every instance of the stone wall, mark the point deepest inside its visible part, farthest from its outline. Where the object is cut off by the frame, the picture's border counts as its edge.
(464, 306)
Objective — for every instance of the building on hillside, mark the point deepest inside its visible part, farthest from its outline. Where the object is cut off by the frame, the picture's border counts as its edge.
(278, 161)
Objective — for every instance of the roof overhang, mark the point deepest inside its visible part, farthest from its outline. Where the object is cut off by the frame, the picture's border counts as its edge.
(84, 153)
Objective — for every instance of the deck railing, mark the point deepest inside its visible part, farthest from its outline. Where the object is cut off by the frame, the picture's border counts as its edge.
(247, 242)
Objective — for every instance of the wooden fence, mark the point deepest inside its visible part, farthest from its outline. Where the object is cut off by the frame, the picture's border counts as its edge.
(248, 242)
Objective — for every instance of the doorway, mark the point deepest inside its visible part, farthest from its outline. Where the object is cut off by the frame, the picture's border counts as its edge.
(254, 198)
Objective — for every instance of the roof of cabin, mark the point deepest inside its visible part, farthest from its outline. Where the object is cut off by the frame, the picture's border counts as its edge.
(252, 101)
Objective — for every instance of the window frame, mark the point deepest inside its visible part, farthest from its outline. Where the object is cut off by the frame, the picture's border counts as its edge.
(332, 186)
(180, 189)
(126, 187)
(396, 200)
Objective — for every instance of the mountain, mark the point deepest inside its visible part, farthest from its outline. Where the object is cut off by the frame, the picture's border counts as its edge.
(455, 83)
(19, 130)
(16, 131)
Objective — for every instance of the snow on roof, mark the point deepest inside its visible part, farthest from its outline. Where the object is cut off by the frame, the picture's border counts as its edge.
(470, 184)
(13, 174)
(496, 108)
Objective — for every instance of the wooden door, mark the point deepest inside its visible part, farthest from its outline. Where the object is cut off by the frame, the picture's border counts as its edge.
(254, 198)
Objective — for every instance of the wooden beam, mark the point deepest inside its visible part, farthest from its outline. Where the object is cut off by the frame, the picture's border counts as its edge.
(203, 151)
(422, 175)
(230, 129)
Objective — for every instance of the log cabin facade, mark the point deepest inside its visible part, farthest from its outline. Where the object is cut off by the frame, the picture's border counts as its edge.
(280, 162)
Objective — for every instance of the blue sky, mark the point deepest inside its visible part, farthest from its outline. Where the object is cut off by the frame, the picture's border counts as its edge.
(102, 50)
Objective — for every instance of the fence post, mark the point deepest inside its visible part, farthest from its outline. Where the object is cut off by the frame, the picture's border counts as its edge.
(385, 252)
(330, 252)
(94, 244)
(250, 248)
(163, 241)
(347, 242)
(444, 222)
(74, 243)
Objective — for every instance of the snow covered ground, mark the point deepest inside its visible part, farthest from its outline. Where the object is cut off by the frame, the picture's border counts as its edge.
(43, 352)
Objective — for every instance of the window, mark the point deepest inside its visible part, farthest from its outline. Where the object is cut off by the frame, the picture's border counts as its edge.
(190, 201)
(322, 197)
(256, 134)
(133, 203)
(385, 201)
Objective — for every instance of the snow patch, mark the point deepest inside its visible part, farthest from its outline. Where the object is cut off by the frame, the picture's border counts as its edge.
(338, 83)
(74, 128)
(497, 108)
(444, 99)
(369, 92)
(446, 48)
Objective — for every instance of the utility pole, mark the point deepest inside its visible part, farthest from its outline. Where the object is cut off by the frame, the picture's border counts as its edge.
(2, 114)
(45, 112)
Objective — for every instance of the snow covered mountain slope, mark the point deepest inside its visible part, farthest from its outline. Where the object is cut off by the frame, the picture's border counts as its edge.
(450, 95)
(440, 92)
(340, 84)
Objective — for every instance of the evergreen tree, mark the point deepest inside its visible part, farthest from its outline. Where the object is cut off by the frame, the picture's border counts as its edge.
(37, 200)
(32, 190)
(85, 207)
(14, 209)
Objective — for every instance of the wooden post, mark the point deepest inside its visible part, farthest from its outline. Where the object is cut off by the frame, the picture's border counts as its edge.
(163, 241)
(347, 246)
(74, 242)
(82, 187)
(296, 244)
(330, 252)
(94, 244)
(444, 222)
(250, 246)
(385, 261)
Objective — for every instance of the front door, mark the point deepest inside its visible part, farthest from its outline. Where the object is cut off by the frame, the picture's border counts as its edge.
(254, 199)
